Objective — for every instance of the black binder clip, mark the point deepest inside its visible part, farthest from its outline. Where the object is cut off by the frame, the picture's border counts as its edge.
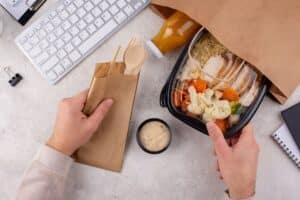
(14, 78)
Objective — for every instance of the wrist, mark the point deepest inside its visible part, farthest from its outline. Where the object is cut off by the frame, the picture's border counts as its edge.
(242, 193)
(59, 147)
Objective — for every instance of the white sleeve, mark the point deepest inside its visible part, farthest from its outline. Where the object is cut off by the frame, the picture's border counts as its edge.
(46, 177)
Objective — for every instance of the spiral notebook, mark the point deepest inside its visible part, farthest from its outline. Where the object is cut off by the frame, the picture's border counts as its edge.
(288, 135)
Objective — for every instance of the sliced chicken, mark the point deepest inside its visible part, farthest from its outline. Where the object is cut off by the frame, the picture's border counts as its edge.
(247, 98)
(231, 74)
(229, 58)
(212, 68)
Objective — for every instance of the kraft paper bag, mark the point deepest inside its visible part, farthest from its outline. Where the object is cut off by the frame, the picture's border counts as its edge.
(263, 32)
(106, 147)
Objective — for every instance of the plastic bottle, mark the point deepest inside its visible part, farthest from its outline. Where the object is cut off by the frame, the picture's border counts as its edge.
(175, 32)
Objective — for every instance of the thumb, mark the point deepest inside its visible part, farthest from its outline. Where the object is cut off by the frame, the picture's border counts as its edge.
(247, 136)
(219, 142)
(98, 115)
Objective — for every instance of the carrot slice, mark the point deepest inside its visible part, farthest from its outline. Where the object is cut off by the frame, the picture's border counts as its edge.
(200, 85)
(230, 94)
(178, 96)
(222, 124)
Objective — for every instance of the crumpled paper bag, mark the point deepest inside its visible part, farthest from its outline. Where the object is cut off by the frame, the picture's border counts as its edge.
(263, 32)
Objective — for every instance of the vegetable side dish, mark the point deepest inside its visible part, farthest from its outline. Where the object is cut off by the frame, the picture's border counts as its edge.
(215, 85)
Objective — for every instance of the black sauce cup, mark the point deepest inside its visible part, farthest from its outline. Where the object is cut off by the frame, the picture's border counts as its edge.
(141, 143)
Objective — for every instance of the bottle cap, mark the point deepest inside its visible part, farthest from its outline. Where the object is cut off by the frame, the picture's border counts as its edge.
(155, 50)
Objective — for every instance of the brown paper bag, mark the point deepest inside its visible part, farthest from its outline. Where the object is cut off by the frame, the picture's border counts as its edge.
(106, 147)
(263, 32)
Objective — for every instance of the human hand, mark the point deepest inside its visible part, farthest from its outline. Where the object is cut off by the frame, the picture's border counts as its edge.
(73, 128)
(237, 163)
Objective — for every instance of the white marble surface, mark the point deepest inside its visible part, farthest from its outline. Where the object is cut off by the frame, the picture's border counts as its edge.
(184, 171)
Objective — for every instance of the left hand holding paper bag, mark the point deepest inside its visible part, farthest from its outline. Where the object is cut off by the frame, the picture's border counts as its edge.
(73, 128)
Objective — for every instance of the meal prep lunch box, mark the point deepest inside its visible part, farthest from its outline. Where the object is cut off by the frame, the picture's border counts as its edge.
(166, 97)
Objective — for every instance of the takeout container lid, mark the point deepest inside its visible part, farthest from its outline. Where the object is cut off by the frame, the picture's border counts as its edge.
(167, 101)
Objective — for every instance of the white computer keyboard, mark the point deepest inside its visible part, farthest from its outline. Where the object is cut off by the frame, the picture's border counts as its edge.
(62, 38)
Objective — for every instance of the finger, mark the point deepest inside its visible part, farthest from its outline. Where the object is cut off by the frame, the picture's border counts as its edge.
(98, 115)
(218, 139)
(247, 135)
(80, 98)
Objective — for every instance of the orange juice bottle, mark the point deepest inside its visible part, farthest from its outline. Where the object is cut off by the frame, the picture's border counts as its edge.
(175, 32)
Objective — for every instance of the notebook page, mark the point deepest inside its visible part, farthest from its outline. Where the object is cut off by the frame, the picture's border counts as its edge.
(284, 138)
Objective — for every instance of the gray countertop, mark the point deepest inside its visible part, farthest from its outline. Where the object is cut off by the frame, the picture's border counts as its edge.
(185, 171)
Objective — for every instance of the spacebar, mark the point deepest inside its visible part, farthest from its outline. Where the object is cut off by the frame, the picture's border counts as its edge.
(99, 35)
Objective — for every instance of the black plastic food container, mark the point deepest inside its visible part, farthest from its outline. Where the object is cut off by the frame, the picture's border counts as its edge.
(167, 101)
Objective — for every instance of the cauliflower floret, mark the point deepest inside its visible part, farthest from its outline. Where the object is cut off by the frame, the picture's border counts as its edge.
(210, 108)
(196, 106)
(220, 109)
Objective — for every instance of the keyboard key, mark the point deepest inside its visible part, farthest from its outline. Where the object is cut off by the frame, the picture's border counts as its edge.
(59, 69)
(58, 32)
(88, 18)
(99, 22)
(81, 24)
(22, 40)
(88, 6)
(113, 10)
(96, 12)
(67, 37)
(128, 10)
(84, 35)
(49, 27)
(74, 30)
(91, 28)
(56, 21)
(52, 50)
(74, 56)
(64, 15)
(69, 47)
(76, 41)
(41, 58)
(96, 2)
(81, 12)
(104, 5)
(66, 63)
(34, 40)
(44, 44)
(50, 63)
(61, 53)
(78, 3)
(51, 37)
(121, 3)
(106, 16)
(41, 34)
(52, 76)
(71, 8)
(120, 17)
(99, 35)
(27, 46)
(66, 25)
(35, 51)
(137, 5)
(59, 43)
(74, 19)
(60, 8)
(112, 1)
